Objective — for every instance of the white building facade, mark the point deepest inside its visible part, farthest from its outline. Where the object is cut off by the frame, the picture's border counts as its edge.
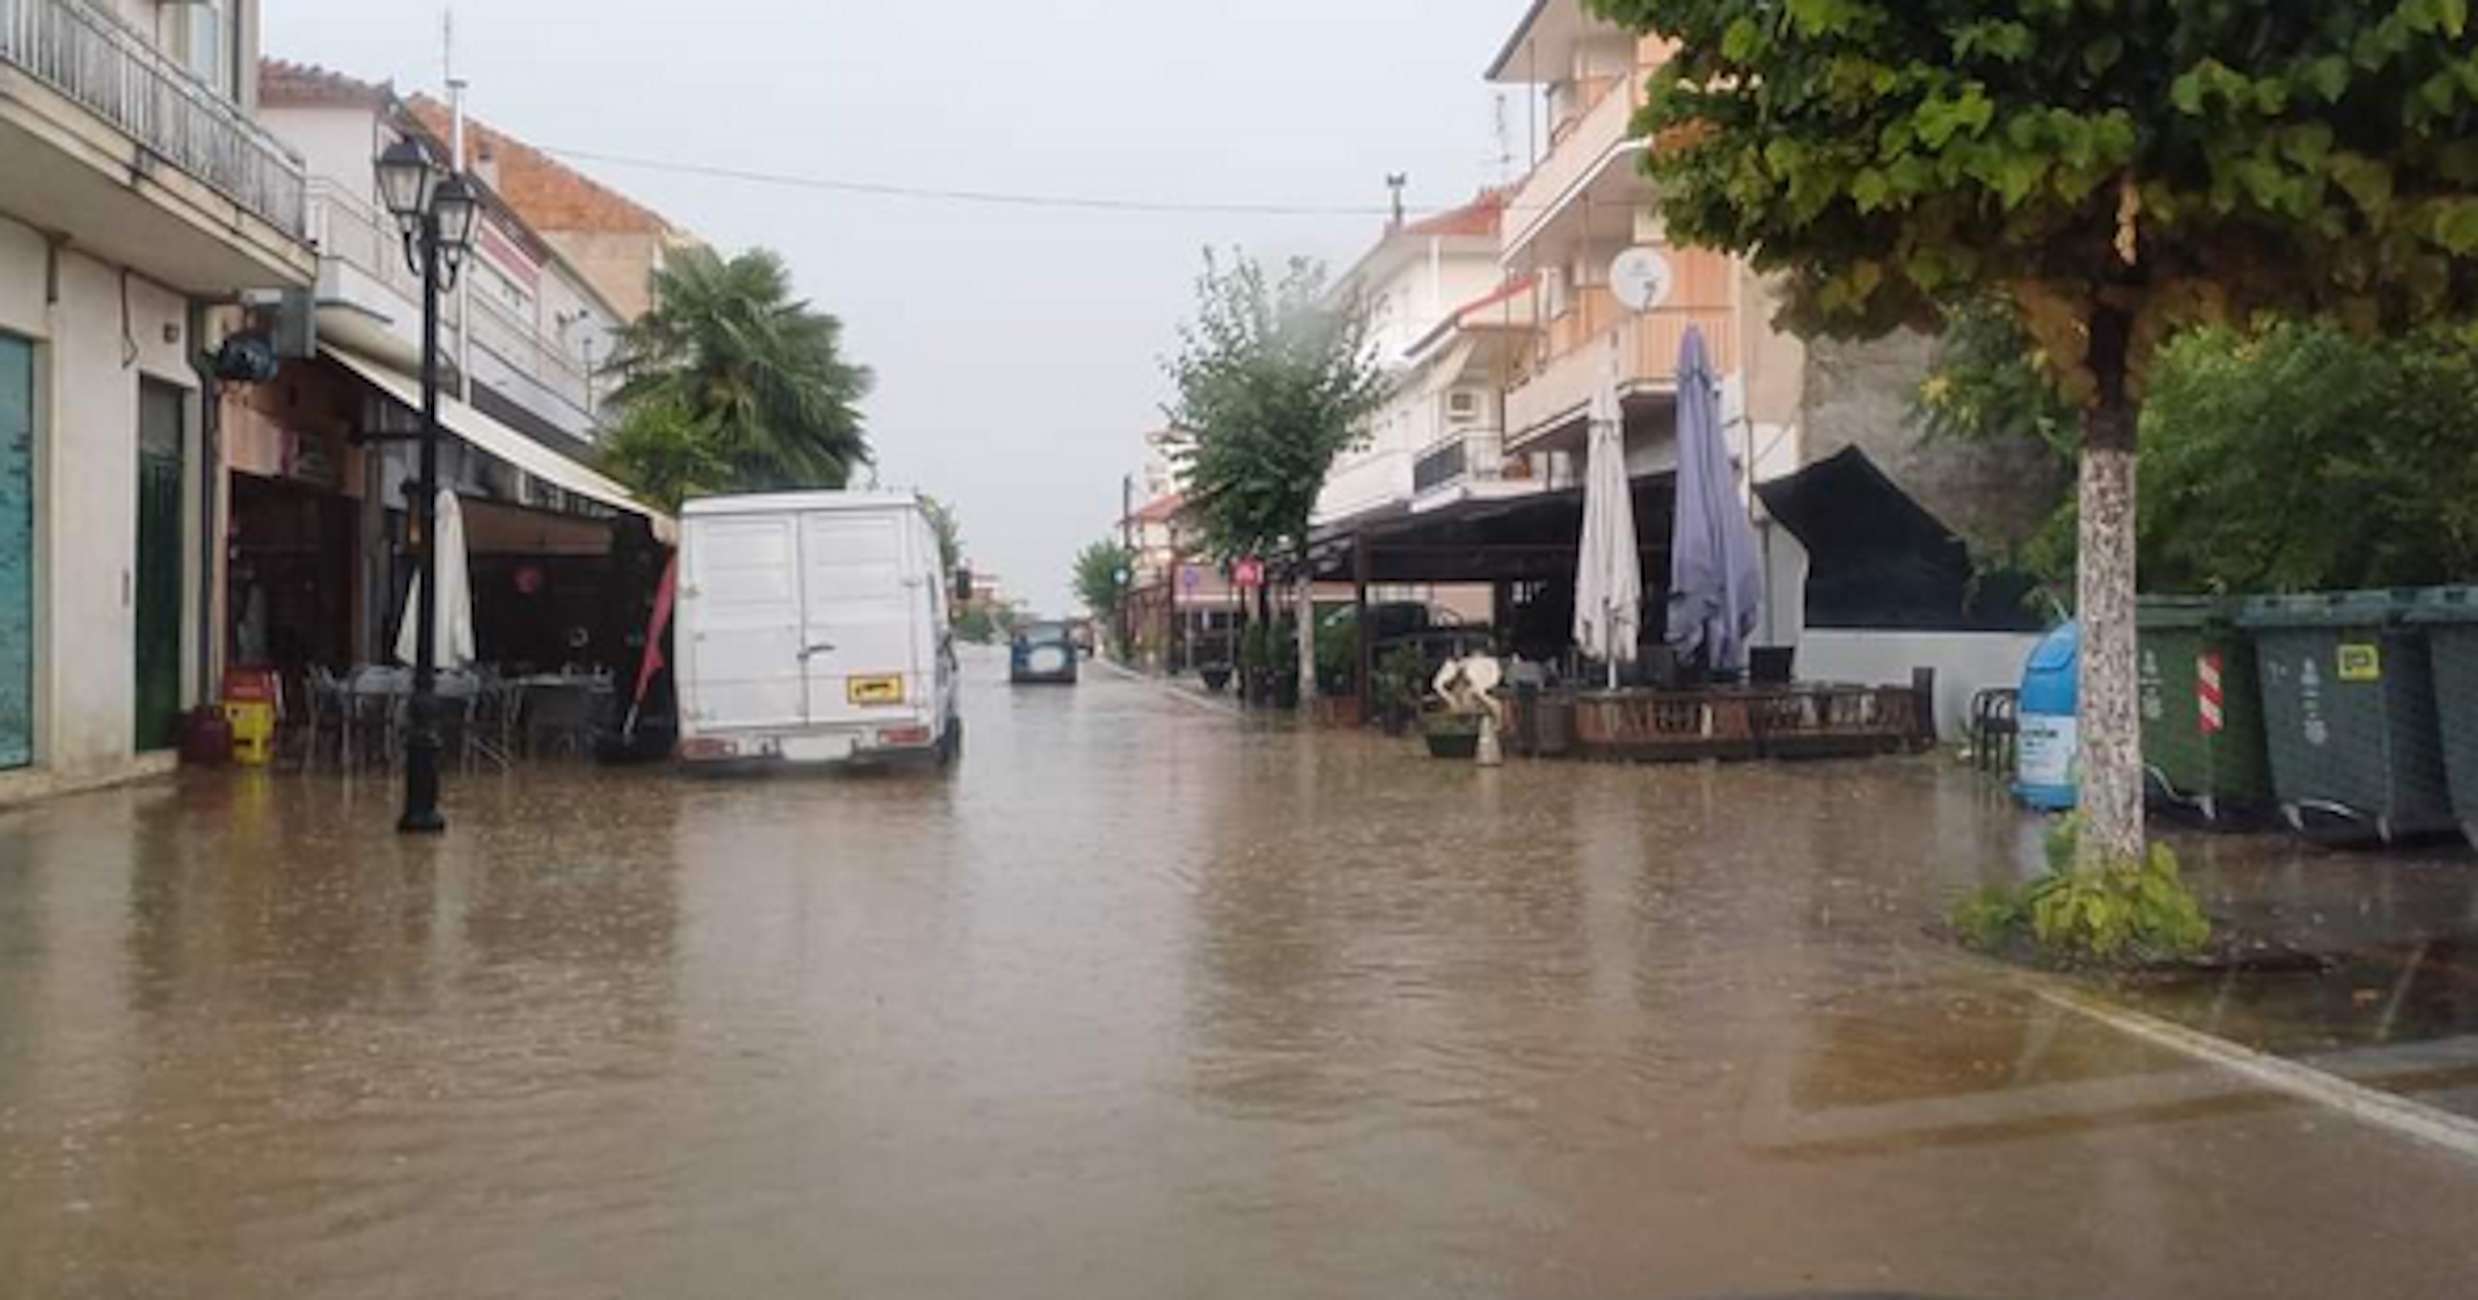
(1429, 288)
(138, 195)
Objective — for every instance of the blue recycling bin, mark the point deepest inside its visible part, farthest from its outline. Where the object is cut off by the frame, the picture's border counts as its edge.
(2047, 775)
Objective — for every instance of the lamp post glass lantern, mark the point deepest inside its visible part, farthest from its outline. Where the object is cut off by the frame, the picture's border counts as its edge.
(437, 210)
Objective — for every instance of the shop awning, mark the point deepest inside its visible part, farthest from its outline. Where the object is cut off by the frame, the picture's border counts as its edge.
(488, 435)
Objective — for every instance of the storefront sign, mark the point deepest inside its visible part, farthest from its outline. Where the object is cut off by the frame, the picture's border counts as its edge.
(309, 460)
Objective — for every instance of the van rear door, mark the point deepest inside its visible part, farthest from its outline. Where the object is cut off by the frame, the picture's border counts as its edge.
(861, 639)
(742, 668)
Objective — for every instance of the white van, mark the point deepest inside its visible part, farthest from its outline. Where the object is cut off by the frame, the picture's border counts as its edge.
(812, 628)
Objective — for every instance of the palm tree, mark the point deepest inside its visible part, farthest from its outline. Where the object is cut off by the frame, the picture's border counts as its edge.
(730, 351)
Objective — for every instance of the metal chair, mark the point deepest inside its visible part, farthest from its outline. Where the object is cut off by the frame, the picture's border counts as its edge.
(559, 720)
(491, 716)
(323, 716)
(1995, 729)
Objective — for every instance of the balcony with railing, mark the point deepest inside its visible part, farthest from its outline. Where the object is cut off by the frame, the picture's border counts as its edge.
(541, 375)
(85, 55)
(369, 296)
(1578, 148)
(1473, 456)
(1552, 389)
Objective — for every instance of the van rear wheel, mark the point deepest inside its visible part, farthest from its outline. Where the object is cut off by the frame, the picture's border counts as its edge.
(951, 745)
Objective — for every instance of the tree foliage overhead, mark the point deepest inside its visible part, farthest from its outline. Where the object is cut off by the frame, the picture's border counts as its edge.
(2305, 459)
(2291, 458)
(1105, 572)
(2138, 164)
(732, 357)
(1275, 379)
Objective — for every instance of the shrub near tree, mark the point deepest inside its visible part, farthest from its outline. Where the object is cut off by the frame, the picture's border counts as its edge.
(2117, 171)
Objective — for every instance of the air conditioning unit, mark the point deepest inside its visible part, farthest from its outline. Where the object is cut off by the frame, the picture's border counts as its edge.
(1463, 407)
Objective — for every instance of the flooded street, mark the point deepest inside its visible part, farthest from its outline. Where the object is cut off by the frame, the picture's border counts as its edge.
(1141, 1002)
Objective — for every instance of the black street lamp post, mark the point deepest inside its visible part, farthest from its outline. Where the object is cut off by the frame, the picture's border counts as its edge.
(436, 210)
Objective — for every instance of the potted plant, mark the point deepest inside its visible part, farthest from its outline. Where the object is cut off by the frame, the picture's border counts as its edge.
(1452, 735)
(1401, 681)
(1216, 676)
(1269, 665)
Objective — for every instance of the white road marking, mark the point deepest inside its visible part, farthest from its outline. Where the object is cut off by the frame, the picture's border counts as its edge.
(2394, 1114)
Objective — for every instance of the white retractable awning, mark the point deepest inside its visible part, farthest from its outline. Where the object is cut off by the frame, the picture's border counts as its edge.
(488, 435)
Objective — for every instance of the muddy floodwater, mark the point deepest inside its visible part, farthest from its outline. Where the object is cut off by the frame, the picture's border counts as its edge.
(1140, 1002)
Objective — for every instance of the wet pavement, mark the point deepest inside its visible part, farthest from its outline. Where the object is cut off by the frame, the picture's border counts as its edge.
(1146, 1002)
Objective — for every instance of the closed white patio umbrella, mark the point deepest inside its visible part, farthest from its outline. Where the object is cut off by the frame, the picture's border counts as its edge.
(1609, 572)
(454, 640)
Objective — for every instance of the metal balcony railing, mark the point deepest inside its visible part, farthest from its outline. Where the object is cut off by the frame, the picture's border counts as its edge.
(93, 59)
(522, 345)
(346, 227)
(1477, 456)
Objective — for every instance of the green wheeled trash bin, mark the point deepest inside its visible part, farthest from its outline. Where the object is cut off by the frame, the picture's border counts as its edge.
(2450, 617)
(2349, 707)
(2202, 712)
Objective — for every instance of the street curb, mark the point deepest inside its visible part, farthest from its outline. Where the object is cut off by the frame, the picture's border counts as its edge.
(1125, 673)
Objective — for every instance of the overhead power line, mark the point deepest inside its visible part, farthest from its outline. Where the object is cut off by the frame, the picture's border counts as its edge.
(991, 198)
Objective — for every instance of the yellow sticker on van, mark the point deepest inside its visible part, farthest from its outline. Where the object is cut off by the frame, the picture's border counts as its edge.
(876, 692)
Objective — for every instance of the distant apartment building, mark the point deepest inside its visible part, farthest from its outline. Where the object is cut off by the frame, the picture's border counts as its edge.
(1443, 328)
(139, 193)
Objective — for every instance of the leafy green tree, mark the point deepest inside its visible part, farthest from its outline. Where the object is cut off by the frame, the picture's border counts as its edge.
(950, 533)
(1105, 576)
(1275, 378)
(665, 456)
(2117, 170)
(758, 372)
(984, 623)
(2289, 457)
(2304, 459)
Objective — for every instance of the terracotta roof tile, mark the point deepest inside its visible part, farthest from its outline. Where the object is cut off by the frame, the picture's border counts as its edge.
(1483, 216)
(283, 82)
(547, 193)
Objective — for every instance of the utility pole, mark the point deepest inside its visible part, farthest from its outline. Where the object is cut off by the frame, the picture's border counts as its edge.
(1398, 182)
(1127, 572)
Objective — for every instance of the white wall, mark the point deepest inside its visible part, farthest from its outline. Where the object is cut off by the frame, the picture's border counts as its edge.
(1423, 286)
(339, 144)
(88, 365)
(1965, 663)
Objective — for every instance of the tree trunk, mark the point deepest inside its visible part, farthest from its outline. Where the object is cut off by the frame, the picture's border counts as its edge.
(2111, 777)
(1307, 627)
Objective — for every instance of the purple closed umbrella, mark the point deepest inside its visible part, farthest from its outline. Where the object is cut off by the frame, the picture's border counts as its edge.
(1716, 581)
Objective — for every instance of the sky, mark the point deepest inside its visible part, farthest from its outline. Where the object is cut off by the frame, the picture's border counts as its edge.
(1017, 350)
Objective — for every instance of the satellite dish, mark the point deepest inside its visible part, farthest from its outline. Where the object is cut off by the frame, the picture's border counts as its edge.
(1642, 279)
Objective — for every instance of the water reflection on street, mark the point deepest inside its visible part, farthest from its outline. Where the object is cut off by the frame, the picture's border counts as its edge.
(1141, 1002)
